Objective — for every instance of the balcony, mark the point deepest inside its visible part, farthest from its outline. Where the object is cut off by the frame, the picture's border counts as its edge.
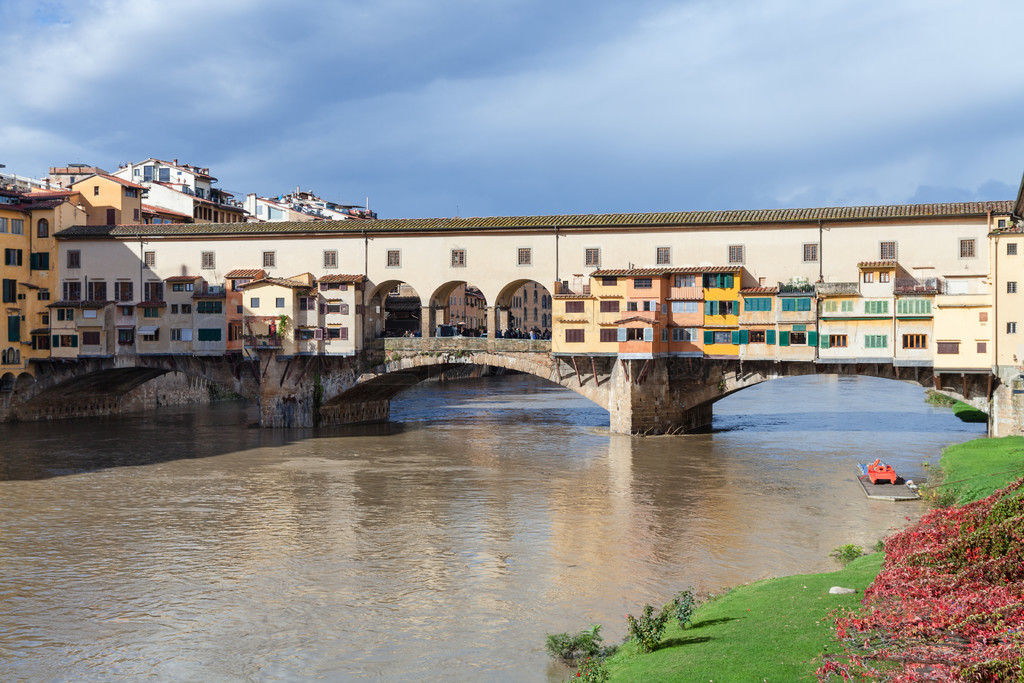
(837, 289)
(913, 285)
(563, 289)
(262, 341)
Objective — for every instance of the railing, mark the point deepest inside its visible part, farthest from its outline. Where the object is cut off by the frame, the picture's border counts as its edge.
(913, 285)
(263, 342)
(563, 289)
(837, 288)
(798, 288)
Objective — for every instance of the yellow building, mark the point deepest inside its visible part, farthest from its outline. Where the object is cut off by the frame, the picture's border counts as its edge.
(109, 200)
(721, 293)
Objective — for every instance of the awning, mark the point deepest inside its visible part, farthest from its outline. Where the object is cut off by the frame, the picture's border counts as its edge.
(148, 329)
(126, 327)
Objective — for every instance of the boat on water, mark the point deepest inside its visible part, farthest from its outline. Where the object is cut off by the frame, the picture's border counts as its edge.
(880, 482)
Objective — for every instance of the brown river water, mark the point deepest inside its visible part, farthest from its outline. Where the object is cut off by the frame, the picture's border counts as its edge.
(180, 545)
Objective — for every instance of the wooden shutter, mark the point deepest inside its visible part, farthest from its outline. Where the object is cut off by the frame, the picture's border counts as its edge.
(812, 338)
(784, 338)
(709, 337)
(769, 336)
(621, 334)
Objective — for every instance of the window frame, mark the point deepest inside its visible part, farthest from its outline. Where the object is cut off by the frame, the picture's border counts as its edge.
(737, 253)
(810, 252)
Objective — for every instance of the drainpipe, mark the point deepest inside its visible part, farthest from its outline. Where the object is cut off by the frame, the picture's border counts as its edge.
(556, 254)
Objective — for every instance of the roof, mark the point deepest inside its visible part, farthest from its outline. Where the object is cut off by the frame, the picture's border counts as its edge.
(635, 319)
(239, 273)
(279, 281)
(878, 264)
(182, 278)
(120, 181)
(680, 219)
(342, 278)
(149, 208)
(759, 290)
(649, 272)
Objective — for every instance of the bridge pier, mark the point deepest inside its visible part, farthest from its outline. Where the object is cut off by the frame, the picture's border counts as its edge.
(644, 397)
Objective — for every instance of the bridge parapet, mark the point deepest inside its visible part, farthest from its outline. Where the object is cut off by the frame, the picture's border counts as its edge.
(454, 344)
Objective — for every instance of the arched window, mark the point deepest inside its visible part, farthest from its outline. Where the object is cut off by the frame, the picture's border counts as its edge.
(43, 228)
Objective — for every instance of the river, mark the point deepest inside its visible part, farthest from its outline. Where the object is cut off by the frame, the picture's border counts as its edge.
(179, 545)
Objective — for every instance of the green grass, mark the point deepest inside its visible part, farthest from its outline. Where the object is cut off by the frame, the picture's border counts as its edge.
(973, 470)
(968, 413)
(773, 630)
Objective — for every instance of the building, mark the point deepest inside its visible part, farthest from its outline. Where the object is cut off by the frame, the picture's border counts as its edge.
(183, 189)
(302, 205)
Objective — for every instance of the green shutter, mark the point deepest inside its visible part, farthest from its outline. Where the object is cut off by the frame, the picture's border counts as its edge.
(735, 336)
(727, 282)
(709, 337)
(74, 340)
(744, 336)
(784, 338)
(14, 328)
(812, 338)
(56, 341)
(824, 341)
(769, 336)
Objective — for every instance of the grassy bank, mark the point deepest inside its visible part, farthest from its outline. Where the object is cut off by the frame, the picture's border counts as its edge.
(774, 629)
(777, 630)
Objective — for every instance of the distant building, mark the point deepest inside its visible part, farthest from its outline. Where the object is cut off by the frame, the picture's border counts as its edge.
(531, 308)
(183, 189)
(302, 206)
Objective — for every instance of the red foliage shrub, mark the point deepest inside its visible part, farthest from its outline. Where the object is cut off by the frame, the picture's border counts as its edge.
(948, 604)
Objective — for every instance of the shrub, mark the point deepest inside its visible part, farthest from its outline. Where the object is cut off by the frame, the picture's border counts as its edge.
(846, 553)
(646, 630)
(572, 647)
(968, 413)
(592, 671)
(682, 607)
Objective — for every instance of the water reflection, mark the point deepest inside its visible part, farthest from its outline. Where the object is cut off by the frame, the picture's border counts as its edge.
(442, 547)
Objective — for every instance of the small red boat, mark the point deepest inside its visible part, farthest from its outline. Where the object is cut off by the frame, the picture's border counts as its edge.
(880, 473)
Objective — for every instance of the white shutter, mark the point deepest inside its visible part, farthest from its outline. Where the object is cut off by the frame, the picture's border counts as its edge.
(621, 334)
(648, 334)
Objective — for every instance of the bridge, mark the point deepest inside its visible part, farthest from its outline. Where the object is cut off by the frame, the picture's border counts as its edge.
(663, 395)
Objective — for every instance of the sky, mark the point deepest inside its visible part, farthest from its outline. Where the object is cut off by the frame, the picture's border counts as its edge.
(528, 107)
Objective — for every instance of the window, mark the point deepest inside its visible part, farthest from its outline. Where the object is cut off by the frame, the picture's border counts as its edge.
(65, 314)
(838, 341)
(642, 283)
(90, 338)
(174, 309)
(663, 256)
(802, 303)
(89, 313)
(209, 334)
(394, 258)
(154, 291)
(209, 260)
(686, 281)
(123, 291)
(592, 257)
(608, 334)
(307, 303)
(718, 281)
(982, 347)
(254, 302)
(574, 306)
(876, 341)
(330, 259)
(279, 302)
(95, 190)
(915, 341)
(149, 258)
(74, 258)
(66, 340)
(96, 290)
(846, 306)
(756, 337)
(1011, 328)
(967, 248)
(3, 224)
(150, 312)
(868, 276)
(1011, 287)
(152, 337)
(876, 307)
(829, 306)
(610, 306)
(983, 317)
(209, 307)
(798, 338)
(810, 252)
(17, 226)
(73, 291)
(39, 260)
(883, 276)
(914, 307)
(609, 281)
(686, 307)
(10, 290)
(43, 228)
(127, 311)
(525, 258)
(269, 259)
(12, 257)
(721, 337)
(736, 254)
(458, 258)
(1011, 248)
(182, 287)
(684, 334)
(720, 307)
(887, 251)
(759, 303)
(186, 309)
(574, 336)
(948, 347)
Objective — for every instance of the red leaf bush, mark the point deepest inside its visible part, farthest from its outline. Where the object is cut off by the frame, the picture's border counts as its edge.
(948, 604)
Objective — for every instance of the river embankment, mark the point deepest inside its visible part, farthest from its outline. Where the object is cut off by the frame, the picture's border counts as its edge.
(786, 628)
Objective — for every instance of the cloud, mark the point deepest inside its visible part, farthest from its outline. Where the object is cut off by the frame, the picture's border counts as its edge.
(522, 106)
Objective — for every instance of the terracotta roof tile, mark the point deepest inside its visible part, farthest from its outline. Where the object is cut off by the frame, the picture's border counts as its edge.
(878, 264)
(341, 278)
(245, 272)
(624, 221)
(182, 278)
(760, 290)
